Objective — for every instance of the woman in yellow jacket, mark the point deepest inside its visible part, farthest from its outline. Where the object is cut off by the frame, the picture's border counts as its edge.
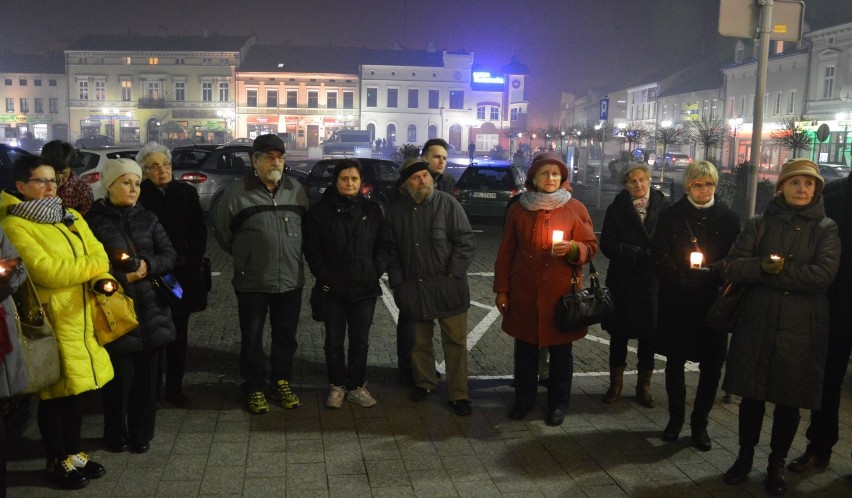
(63, 259)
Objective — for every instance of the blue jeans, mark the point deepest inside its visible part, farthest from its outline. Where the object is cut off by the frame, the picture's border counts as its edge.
(353, 319)
(283, 311)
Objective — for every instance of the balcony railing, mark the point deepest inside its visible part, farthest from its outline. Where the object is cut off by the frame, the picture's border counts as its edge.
(152, 103)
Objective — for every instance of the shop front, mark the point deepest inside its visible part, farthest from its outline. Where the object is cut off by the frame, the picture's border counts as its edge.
(261, 125)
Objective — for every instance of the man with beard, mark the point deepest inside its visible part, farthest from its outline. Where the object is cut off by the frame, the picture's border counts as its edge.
(259, 222)
(432, 246)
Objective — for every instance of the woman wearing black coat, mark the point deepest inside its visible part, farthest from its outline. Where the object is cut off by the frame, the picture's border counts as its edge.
(787, 259)
(177, 207)
(686, 294)
(341, 245)
(629, 226)
(139, 250)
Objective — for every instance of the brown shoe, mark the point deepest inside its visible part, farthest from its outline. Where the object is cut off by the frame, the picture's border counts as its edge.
(616, 384)
(807, 462)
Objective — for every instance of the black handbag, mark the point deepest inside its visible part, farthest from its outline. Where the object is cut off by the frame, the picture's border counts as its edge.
(39, 348)
(723, 313)
(319, 302)
(581, 308)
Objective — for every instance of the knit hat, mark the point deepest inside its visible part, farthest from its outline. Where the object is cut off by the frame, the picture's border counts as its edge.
(800, 166)
(542, 159)
(114, 168)
(409, 167)
(629, 167)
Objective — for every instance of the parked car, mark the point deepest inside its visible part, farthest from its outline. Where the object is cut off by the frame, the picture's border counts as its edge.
(676, 161)
(647, 156)
(484, 190)
(300, 169)
(210, 168)
(93, 141)
(8, 156)
(89, 162)
(833, 171)
(378, 183)
(346, 142)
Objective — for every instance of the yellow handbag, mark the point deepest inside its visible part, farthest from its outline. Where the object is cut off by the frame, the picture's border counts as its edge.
(112, 316)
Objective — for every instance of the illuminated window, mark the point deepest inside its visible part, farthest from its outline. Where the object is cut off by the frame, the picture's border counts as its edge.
(153, 60)
(126, 90)
(153, 89)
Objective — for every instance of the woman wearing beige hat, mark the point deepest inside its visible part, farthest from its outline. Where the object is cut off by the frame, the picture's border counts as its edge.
(787, 257)
(139, 250)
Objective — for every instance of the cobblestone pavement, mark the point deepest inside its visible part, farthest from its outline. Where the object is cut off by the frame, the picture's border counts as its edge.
(400, 448)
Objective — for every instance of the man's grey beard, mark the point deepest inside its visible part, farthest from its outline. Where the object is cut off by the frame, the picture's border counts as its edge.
(420, 194)
(274, 175)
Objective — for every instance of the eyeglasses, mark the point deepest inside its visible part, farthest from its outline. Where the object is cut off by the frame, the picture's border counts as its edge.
(44, 182)
(702, 186)
(156, 166)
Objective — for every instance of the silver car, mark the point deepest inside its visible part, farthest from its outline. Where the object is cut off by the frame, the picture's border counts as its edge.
(211, 168)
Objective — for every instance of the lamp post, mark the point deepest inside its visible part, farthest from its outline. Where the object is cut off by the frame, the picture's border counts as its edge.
(735, 124)
(546, 141)
(665, 136)
(561, 141)
(843, 119)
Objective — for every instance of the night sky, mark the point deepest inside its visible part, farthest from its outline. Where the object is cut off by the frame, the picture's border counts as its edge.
(569, 45)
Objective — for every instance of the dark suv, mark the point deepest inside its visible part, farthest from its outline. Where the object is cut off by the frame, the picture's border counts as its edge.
(211, 168)
(485, 190)
(8, 156)
(378, 183)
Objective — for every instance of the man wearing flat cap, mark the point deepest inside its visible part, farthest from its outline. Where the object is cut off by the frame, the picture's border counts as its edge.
(432, 246)
(259, 222)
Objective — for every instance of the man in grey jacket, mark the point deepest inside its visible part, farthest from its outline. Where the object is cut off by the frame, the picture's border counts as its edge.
(259, 222)
(432, 246)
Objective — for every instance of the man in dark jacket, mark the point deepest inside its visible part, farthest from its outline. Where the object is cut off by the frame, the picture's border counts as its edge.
(177, 207)
(259, 222)
(823, 432)
(432, 246)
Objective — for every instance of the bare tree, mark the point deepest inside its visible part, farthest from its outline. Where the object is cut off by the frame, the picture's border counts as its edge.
(791, 135)
(707, 132)
(668, 136)
(635, 133)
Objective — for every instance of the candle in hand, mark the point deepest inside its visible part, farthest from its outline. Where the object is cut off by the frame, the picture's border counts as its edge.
(108, 287)
(558, 235)
(774, 257)
(124, 256)
(695, 259)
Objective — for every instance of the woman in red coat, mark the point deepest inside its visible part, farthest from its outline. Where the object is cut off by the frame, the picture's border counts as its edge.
(533, 271)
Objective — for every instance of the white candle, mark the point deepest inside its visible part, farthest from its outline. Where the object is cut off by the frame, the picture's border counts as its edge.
(2, 270)
(558, 235)
(108, 287)
(695, 259)
(774, 257)
(124, 256)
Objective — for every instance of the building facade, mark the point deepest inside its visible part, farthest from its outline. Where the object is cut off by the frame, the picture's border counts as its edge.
(34, 100)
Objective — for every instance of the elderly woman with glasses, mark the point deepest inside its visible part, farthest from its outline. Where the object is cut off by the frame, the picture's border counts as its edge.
(63, 258)
(177, 207)
(692, 238)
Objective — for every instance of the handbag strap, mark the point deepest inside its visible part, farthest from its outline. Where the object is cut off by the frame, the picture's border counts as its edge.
(692, 237)
(594, 281)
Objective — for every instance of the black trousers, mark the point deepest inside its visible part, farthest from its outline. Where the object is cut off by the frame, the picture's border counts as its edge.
(283, 310)
(130, 399)
(176, 352)
(526, 375)
(784, 425)
(60, 421)
(350, 320)
(705, 394)
(644, 350)
(823, 431)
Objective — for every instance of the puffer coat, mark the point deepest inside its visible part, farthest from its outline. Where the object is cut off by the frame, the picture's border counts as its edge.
(686, 295)
(136, 231)
(536, 280)
(342, 245)
(13, 371)
(626, 241)
(780, 341)
(63, 262)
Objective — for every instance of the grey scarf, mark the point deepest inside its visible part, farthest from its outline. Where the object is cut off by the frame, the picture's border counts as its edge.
(536, 201)
(48, 210)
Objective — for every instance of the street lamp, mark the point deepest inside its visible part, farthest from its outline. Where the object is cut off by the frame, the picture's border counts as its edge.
(561, 141)
(665, 125)
(843, 118)
(735, 124)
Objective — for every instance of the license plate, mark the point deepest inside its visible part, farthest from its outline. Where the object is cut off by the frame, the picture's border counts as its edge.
(484, 195)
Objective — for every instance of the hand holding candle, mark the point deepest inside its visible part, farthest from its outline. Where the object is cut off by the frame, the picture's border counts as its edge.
(772, 264)
(106, 286)
(128, 263)
(696, 259)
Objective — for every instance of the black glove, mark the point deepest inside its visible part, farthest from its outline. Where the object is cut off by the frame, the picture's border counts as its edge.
(105, 286)
(696, 278)
(129, 265)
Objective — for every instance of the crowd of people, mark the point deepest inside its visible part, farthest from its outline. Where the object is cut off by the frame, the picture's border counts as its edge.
(790, 345)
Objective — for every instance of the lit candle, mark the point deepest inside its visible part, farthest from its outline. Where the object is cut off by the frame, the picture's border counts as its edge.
(124, 256)
(774, 257)
(2, 270)
(558, 235)
(695, 259)
(108, 287)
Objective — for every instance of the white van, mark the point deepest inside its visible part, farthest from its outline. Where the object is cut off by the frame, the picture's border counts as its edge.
(345, 142)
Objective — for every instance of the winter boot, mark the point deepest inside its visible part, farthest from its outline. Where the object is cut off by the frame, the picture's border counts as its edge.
(616, 383)
(738, 472)
(776, 484)
(672, 431)
(643, 388)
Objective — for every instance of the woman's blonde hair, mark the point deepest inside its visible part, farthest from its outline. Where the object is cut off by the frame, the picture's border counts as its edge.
(699, 169)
